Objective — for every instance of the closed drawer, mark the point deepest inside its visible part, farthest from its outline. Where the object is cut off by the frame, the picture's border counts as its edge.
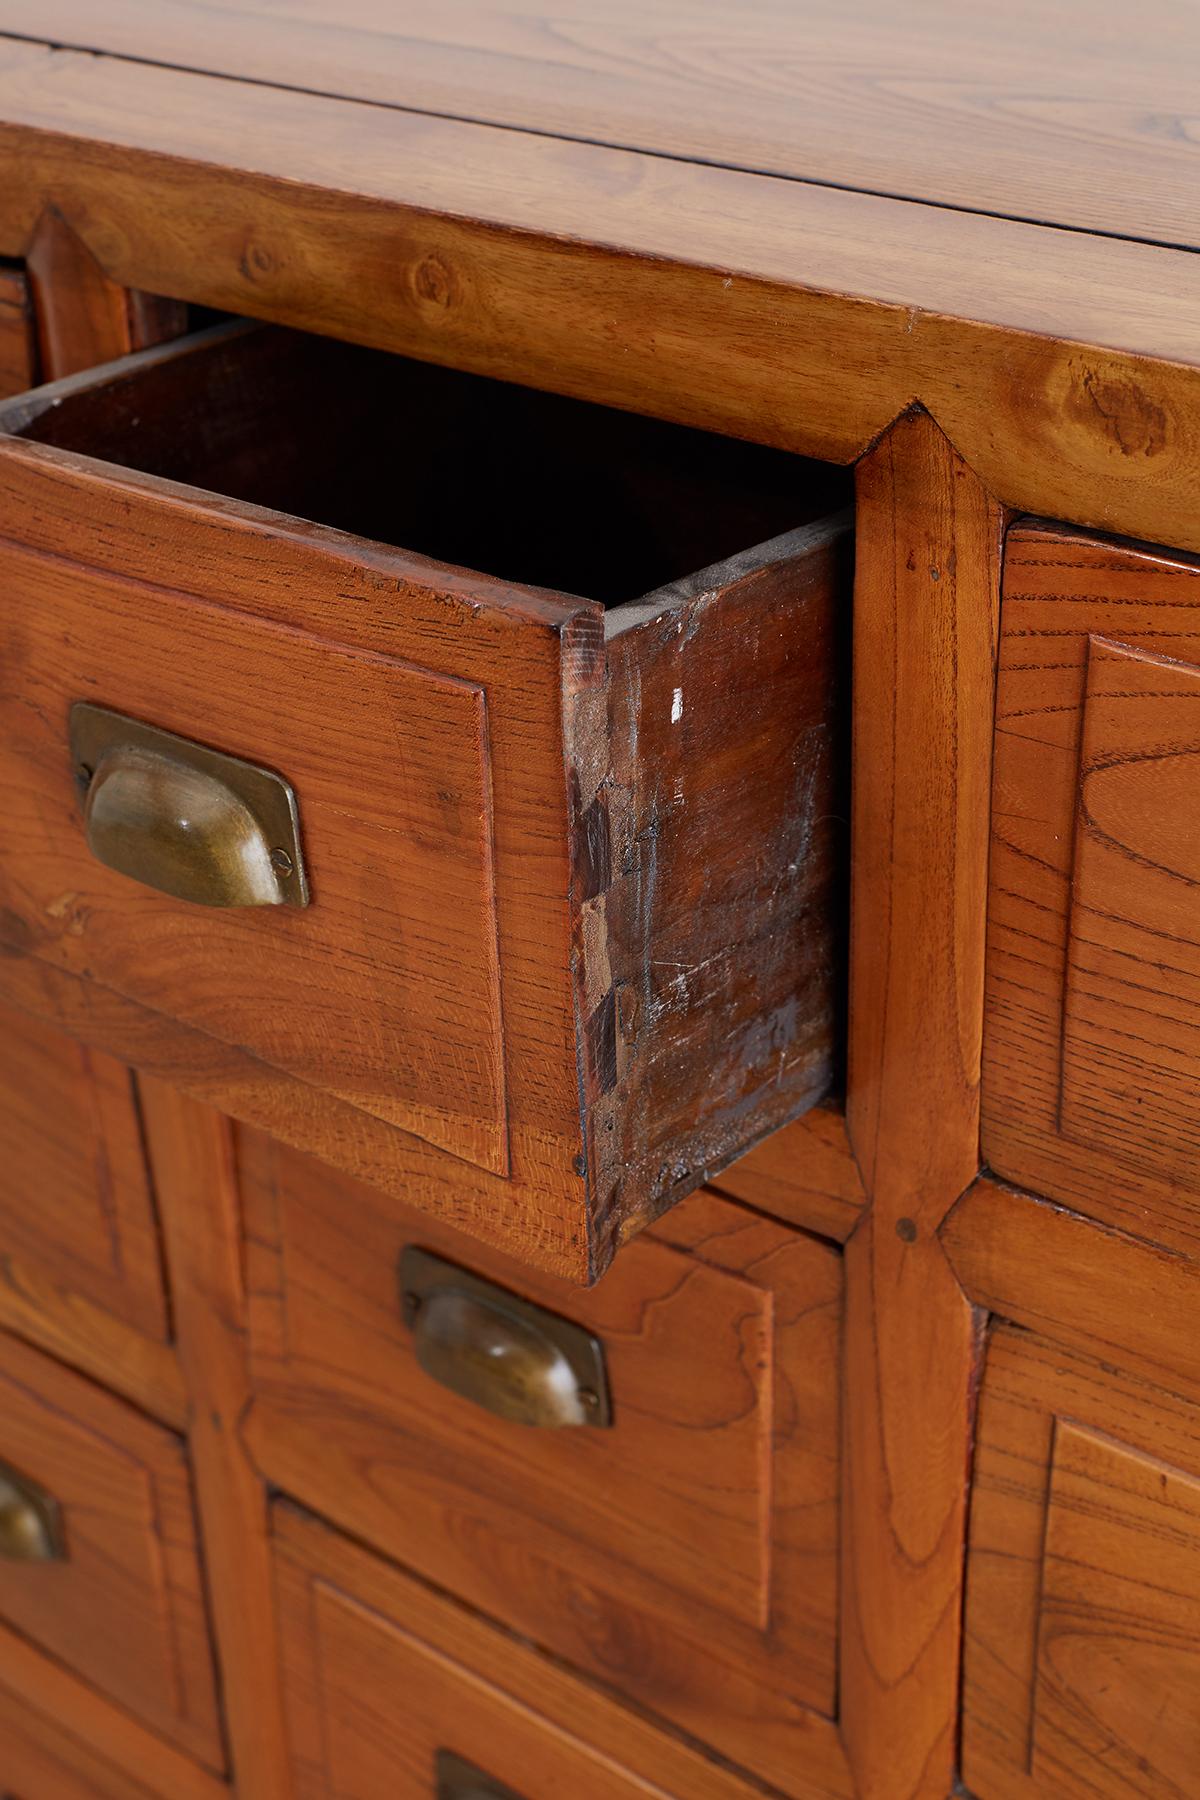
(100, 1566)
(18, 355)
(571, 933)
(679, 1540)
(393, 1694)
(1092, 1041)
(1082, 1672)
(75, 1204)
(41, 1759)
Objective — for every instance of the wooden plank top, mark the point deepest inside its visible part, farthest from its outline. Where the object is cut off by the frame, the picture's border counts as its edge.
(1079, 113)
(1062, 361)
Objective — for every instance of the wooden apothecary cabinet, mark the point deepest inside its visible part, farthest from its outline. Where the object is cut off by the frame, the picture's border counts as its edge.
(599, 646)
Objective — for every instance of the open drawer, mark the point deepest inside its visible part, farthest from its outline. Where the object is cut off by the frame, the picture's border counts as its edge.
(520, 905)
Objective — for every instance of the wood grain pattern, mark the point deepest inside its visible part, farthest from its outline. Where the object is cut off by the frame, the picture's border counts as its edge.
(381, 1674)
(805, 1173)
(125, 1609)
(42, 1759)
(191, 1152)
(687, 1555)
(1070, 116)
(83, 317)
(122, 1759)
(18, 350)
(926, 601)
(1122, 1300)
(780, 312)
(1084, 1584)
(1092, 959)
(480, 784)
(75, 1203)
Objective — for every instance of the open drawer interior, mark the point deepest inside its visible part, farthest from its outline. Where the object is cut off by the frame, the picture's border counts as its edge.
(555, 696)
(527, 486)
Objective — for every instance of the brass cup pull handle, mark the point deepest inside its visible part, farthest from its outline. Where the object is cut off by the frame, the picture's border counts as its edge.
(31, 1528)
(184, 819)
(458, 1779)
(489, 1346)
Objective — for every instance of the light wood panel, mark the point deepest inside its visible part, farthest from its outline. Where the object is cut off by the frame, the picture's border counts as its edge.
(1083, 1595)
(1093, 953)
(515, 255)
(124, 1608)
(191, 1152)
(926, 601)
(1075, 115)
(1114, 1295)
(805, 1173)
(686, 1554)
(381, 1674)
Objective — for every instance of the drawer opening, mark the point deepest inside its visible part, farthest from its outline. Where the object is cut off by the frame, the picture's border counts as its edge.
(526, 486)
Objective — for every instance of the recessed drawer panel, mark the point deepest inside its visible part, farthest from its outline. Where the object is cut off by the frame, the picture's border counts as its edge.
(98, 1556)
(75, 1205)
(643, 1478)
(40, 1759)
(520, 904)
(1082, 1673)
(393, 1694)
(1092, 1040)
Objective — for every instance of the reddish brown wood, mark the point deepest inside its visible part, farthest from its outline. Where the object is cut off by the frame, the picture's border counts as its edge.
(381, 1674)
(686, 1554)
(1084, 1582)
(125, 1610)
(18, 350)
(191, 1152)
(464, 806)
(1121, 1299)
(926, 596)
(75, 1205)
(83, 316)
(805, 1173)
(136, 1764)
(938, 108)
(1093, 948)
(42, 1759)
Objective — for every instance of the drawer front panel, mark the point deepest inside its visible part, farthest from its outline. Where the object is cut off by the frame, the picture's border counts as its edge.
(686, 1551)
(1092, 1043)
(1083, 1616)
(394, 1695)
(75, 1204)
(18, 351)
(112, 1587)
(40, 1760)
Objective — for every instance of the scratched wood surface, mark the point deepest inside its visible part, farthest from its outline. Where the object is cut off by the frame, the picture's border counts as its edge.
(1083, 1592)
(125, 1610)
(776, 310)
(1077, 115)
(1094, 953)
(381, 1673)
(686, 1555)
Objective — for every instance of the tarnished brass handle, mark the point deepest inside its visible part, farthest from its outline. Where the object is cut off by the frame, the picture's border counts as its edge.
(31, 1527)
(513, 1358)
(458, 1779)
(185, 819)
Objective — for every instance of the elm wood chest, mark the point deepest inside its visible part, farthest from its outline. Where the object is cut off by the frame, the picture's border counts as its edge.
(598, 856)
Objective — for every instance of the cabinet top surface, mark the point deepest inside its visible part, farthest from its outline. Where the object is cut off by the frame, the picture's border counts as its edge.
(1077, 113)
